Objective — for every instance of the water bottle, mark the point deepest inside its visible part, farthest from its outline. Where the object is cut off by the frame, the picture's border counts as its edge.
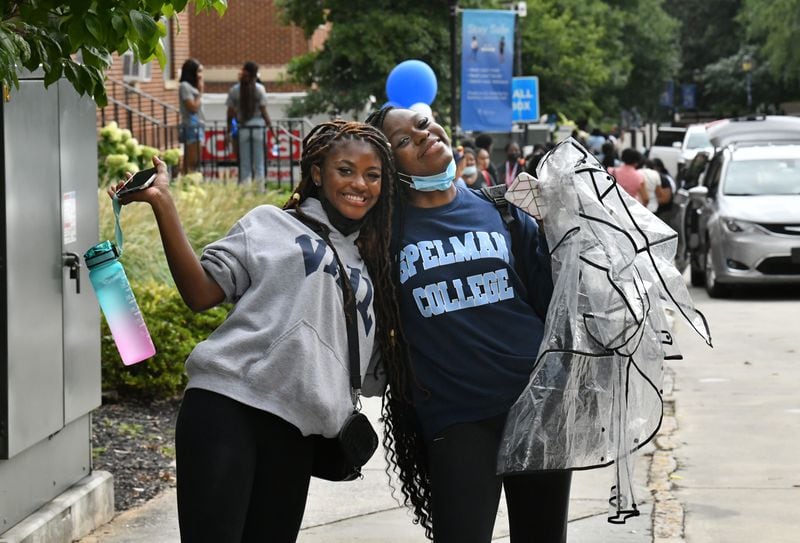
(118, 303)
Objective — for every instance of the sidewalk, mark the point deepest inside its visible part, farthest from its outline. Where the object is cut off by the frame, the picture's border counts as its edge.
(364, 511)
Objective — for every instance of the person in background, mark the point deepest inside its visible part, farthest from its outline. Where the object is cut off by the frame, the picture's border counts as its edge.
(595, 142)
(652, 183)
(483, 162)
(484, 141)
(271, 377)
(532, 160)
(192, 126)
(608, 155)
(467, 175)
(666, 209)
(461, 274)
(629, 177)
(511, 166)
(247, 103)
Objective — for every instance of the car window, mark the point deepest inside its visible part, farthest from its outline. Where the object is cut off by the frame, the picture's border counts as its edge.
(698, 140)
(667, 138)
(763, 176)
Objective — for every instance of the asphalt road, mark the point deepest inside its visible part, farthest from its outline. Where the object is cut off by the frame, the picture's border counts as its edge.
(737, 410)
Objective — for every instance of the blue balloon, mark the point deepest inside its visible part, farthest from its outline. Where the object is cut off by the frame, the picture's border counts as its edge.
(411, 82)
(390, 103)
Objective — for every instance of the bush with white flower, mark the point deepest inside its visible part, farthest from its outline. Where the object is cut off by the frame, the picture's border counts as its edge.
(119, 152)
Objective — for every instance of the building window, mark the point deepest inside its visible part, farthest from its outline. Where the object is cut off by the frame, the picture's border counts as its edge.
(133, 70)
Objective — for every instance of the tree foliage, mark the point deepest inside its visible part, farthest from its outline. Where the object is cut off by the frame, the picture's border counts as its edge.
(591, 56)
(775, 25)
(594, 57)
(573, 46)
(75, 38)
(367, 39)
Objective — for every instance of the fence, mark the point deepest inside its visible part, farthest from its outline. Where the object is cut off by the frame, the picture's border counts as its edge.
(256, 152)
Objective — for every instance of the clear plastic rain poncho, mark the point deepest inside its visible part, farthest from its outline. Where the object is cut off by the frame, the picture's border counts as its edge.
(594, 397)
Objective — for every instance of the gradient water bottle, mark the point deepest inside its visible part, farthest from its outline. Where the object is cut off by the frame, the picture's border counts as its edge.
(118, 303)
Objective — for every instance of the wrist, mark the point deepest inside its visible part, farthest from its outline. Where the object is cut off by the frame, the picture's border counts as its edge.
(162, 200)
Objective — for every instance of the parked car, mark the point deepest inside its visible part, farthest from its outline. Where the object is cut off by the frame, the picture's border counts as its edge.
(743, 222)
(695, 141)
(667, 146)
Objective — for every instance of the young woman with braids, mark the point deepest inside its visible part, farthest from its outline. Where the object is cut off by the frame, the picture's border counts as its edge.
(247, 103)
(275, 373)
(473, 320)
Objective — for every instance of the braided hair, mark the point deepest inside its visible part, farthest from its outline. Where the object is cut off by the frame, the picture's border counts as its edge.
(402, 437)
(247, 91)
(374, 235)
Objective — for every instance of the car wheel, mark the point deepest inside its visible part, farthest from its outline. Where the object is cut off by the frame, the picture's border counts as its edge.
(713, 287)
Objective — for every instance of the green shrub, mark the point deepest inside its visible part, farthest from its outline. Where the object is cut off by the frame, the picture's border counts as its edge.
(175, 330)
(119, 152)
(207, 211)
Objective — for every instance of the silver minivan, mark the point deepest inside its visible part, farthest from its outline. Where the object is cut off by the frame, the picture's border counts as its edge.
(743, 223)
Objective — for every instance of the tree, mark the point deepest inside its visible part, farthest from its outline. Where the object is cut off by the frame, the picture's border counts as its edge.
(585, 52)
(651, 39)
(75, 38)
(573, 46)
(593, 57)
(367, 39)
(775, 25)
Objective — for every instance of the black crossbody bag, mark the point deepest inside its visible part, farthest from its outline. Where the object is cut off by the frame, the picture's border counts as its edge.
(341, 458)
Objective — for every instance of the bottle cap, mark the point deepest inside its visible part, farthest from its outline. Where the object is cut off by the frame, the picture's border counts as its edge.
(100, 254)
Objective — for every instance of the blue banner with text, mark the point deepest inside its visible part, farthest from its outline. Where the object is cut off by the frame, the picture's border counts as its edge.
(487, 58)
(525, 99)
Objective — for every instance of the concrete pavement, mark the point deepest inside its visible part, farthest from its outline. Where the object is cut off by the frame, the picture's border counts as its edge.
(737, 476)
(365, 511)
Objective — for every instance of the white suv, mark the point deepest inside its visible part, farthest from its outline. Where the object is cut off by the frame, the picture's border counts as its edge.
(694, 141)
(667, 147)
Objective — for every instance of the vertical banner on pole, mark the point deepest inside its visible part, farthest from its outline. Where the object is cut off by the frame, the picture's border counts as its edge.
(487, 58)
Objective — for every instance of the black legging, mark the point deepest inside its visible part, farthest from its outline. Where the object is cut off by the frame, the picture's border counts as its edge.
(243, 473)
(466, 490)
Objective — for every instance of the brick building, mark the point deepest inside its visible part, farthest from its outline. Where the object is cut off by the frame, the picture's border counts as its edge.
(249, 30)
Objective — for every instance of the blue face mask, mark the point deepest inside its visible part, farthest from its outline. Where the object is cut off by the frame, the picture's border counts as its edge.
(430, 183)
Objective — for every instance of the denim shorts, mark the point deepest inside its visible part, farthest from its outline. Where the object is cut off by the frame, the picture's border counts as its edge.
(191, 131)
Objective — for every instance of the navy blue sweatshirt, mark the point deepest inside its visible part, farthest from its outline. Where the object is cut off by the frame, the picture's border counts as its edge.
(467, 315)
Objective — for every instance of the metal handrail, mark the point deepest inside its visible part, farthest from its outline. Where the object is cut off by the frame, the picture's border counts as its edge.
(144, 94)
(135, 111)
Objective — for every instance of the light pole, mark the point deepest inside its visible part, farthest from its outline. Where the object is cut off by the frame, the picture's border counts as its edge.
(453, 67)
(747, 68)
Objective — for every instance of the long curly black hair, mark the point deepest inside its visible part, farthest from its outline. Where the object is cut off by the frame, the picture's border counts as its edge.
(402, 438)
(373, 242)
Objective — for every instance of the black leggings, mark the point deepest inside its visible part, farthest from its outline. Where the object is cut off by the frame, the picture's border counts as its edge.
(243, 473)
(466, 490)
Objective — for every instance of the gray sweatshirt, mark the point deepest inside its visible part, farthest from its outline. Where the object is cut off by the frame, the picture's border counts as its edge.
(283, 347)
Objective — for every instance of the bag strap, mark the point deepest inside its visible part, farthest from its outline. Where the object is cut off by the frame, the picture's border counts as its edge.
(497, 195)
(350, 315)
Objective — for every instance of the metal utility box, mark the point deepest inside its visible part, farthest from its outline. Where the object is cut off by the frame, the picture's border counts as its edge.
(50, 322)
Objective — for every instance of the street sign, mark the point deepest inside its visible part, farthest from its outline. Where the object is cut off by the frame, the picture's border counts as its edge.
(525, 99)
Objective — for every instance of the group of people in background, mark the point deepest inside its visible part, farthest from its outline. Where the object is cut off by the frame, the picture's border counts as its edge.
(648, 181)
(247, 119)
